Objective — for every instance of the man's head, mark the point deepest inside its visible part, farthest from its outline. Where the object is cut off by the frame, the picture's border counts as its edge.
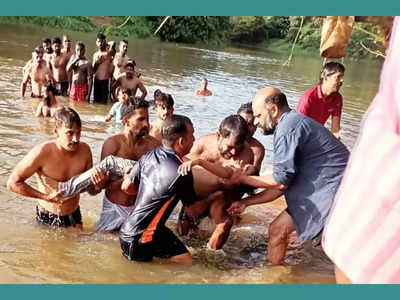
(111, 48)
(50, 90)
(204, 83)
(123, 47)
(80, 49)
(268, 105)
(66, 41)
(177, 134)
(246, 112)
(135, 116)
(331, 77)
(158, 94)
(124, 94)
(231, 136)
(68, 128)
(164, 105)
(101, 41)
(57, 45)
(47, 45)
(37, 55)
(130, 68)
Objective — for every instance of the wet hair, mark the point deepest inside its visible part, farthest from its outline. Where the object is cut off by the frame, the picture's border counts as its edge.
(245, 108)
(165, 99)
(81, 45)
(173, 128)
(130, 62)
(128, 108)
(330, 68)
(125, 91)
(124, 41)
(49, 88)
(57, 40)
(101, 36)
(279, 99)
(234, 126)
(46, 41)
(39, 49)
(68, 117)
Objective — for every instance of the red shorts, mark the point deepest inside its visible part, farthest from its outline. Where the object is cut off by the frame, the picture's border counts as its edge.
(78, 92)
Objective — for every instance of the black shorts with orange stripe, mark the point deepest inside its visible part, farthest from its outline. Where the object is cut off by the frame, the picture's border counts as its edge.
(165, 244)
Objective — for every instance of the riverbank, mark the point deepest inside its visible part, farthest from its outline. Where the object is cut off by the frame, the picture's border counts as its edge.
(273, 34)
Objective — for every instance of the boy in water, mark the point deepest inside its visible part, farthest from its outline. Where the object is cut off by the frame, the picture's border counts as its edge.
(115, 111)
(164, 105)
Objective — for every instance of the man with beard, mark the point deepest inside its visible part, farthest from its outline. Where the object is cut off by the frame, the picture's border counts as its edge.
(307, 168)
(52, 162)
(82, 74)
(130, 81)
(103, 69)
(324, 100)
(58, 65)
(37, 73)
(48, 50)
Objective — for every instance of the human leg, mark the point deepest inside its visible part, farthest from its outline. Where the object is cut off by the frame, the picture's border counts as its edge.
(279, 231)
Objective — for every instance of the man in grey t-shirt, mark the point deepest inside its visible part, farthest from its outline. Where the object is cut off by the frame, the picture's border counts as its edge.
(308, 166)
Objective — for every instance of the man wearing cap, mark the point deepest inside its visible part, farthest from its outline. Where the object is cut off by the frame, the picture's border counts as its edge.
(130, 81)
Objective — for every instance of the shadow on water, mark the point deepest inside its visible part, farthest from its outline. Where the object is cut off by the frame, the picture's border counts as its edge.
(33, 254)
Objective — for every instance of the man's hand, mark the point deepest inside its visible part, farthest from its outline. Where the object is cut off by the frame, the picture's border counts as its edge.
(185, 167)
(55, 197)
(99, 178)
(126, 172)
(236, 208)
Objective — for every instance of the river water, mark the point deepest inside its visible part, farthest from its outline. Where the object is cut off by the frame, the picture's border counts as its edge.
(30, 253)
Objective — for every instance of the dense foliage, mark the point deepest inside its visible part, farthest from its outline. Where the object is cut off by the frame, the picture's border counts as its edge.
(270, 33)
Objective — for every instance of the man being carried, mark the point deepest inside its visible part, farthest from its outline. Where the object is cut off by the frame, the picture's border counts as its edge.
(82, 74)
(37, 73)
(103, 69)
(58, 65)
(164, 105)
(324, 100)
(227, 147)
(52, 162)
(308, 167)
(129, 81)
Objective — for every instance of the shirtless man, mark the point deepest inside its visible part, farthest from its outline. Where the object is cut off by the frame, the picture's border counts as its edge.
(129, 80)
(37, 73)
(48, 106)
(103, 69)
(227, 147)
(120, 59)
(58, 65)
(131, 144)
(82, 74)
(164, 105)
(67, 52)
(54, 161)
(48, 50)
(203, 90)
(246, 112)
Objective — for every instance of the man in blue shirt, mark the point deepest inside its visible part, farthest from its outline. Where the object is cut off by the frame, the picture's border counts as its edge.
(308, 166)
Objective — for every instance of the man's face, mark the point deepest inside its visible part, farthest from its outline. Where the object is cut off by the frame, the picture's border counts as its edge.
(123, 47)
(79, 51)
(138, 122)
(57, 48)
(67, 42)
(249, 118)
(188, 139)
(163, 111)
(229, 147)
(122, 97)
(101, 44)
(333, 82)
(68, 138)
(38, 57)
(263, 117)
(47, 47)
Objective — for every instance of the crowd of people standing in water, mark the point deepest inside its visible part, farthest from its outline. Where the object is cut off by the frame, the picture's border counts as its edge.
(148, 168)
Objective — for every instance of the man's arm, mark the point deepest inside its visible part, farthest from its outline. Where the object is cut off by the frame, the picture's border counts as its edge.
(216, 169)
(335, 126)
(39, 110)
(25, 80)
(115, 85)
(265, 181)
(142, 89)
(89, 71)
(72, 62)
(28, 166)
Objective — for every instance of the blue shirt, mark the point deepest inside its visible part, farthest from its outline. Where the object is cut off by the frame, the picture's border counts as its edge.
(310, 161)
(115, 111)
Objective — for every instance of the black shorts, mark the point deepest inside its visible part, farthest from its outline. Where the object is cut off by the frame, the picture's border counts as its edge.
(63, 88)
(45, 217)
(165, 244)
(101, 91)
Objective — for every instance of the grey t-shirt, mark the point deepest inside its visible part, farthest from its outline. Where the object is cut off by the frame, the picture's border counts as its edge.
(310, 161)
